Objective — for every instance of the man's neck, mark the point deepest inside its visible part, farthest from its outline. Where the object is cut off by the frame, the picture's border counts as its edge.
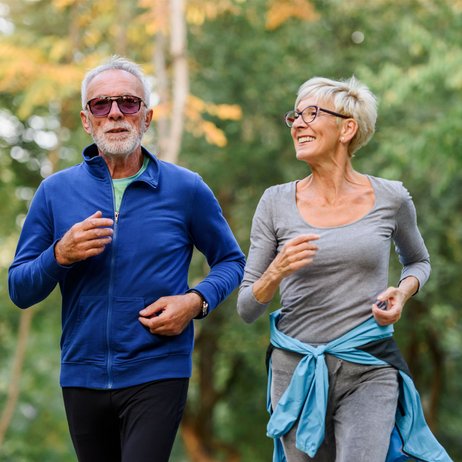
(124, 166)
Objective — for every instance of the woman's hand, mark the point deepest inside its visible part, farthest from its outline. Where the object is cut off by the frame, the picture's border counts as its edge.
(295, 254)
(395, 299)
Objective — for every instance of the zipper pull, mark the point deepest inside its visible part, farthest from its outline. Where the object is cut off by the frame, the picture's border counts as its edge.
(116, 217)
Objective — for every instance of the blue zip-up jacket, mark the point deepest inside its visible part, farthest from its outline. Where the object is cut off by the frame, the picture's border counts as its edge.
(164, 214)
(305, 399)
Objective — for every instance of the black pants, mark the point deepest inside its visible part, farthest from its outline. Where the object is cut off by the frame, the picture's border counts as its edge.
(135, 424)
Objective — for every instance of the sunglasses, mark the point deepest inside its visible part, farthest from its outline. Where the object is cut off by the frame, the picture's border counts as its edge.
(101, 106)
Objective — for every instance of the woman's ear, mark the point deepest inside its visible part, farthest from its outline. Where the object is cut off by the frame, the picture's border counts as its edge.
(349, 129)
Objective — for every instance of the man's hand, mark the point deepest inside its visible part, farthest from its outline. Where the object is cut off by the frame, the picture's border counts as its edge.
(84, 240)
(170, 315)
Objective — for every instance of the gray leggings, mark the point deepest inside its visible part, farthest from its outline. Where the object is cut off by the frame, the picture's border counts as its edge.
(360, 411)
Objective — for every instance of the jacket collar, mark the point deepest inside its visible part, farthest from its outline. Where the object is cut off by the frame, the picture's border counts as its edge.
(97, 167)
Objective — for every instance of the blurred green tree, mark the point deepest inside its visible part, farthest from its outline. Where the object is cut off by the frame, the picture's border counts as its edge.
(245, 63)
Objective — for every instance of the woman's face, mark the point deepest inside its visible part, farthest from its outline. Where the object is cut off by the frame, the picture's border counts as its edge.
(318, 139)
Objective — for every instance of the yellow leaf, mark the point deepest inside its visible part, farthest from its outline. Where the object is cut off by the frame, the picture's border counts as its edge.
(281, 11)
(63, 4)
(222, 111)
(198, 11)
(226, 111)
(213, 134)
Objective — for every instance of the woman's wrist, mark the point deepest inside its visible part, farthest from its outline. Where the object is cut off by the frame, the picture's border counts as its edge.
(409, 286)
(265, 288)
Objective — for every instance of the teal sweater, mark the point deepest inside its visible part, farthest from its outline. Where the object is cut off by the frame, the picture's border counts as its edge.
(306, 397)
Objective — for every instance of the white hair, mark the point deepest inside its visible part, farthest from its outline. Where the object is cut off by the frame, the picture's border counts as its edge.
(119, 63)
(349, 97)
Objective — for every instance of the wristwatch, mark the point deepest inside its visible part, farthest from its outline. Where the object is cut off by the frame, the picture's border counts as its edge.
(205, 305)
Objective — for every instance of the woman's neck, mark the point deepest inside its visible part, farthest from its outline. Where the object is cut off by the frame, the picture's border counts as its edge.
(329, 185)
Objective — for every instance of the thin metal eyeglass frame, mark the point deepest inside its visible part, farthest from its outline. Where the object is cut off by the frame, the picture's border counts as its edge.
(117, 99)
(298, 114)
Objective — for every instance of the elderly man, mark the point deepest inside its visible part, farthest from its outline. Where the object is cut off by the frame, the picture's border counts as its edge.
(117, 232)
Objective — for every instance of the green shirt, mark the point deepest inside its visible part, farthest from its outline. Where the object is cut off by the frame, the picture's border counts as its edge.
(120, 184)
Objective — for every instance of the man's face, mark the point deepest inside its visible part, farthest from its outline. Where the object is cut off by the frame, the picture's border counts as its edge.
(116, 134)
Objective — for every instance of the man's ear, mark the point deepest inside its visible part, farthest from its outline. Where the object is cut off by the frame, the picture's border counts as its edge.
(148, 118)
(85, 122)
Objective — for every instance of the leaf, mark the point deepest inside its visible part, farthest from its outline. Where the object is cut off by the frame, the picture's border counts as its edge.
(280, 11)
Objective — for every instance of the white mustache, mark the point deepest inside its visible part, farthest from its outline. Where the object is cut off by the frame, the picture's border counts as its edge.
(118, 127)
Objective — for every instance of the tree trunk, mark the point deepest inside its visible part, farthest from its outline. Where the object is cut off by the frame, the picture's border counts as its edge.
(193, 442)
(18, 362)
(124, 15)
(170, 113)
(197, 429)
(162, 86)
(180, 79)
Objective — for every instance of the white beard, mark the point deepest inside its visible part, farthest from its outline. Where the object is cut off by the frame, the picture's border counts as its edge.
(116, 148)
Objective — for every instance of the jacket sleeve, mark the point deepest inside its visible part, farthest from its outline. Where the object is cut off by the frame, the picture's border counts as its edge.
(409, 244)
(213, 237)
(35, 272)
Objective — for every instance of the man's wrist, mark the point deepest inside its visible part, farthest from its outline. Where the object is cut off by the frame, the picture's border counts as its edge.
(204, 305)
(58, 255)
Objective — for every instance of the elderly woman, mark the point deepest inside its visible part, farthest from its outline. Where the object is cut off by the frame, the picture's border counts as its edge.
(324, 243)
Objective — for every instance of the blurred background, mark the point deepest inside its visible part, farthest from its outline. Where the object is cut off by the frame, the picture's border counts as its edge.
(224, 72)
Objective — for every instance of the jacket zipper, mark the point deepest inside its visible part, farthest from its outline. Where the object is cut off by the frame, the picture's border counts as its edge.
(111, 286)
(110, 296)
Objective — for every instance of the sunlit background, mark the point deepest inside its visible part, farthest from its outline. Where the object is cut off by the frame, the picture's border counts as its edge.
(223, 73)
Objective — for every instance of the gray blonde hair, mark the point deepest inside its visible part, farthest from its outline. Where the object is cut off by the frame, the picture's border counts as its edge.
(119, 63)
(350, 97)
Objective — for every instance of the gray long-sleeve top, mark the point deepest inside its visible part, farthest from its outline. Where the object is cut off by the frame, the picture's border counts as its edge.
(334, 293)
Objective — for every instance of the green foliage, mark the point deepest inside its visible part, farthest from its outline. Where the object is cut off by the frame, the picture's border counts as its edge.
(408, 52)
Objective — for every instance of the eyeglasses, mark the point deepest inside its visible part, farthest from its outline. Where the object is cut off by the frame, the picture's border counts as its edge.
(309, 115)
(101, 106)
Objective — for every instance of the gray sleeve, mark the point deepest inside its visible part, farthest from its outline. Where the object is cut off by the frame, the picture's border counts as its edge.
(409, 244)
(263, 245)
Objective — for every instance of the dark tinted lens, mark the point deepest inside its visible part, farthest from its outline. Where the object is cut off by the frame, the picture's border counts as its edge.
(129, 105)
(100, 106)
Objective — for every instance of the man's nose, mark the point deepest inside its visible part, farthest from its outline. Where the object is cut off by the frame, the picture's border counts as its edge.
(115, 112)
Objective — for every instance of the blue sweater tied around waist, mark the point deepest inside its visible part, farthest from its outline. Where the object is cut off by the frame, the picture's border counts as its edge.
(305, 399)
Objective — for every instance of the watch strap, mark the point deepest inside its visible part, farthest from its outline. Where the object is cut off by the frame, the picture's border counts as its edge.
(205, 305)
